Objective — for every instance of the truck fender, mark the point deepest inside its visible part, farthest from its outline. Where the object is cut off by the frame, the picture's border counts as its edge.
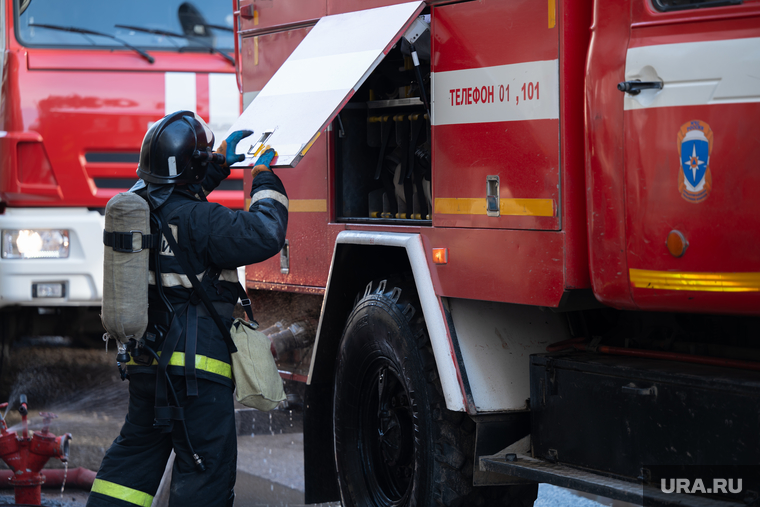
(356, 260)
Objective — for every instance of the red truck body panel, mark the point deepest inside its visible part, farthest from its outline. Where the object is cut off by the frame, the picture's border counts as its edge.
(641, 168)
(588, 188)
(471, 38)
(604, 154)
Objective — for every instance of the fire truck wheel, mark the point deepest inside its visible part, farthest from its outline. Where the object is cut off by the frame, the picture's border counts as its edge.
(396, 444)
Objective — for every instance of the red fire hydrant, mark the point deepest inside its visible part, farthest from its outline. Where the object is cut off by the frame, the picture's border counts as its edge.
(26, 456)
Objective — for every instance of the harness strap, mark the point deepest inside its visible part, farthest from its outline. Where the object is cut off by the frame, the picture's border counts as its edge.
(191, 342)
(124, 241)
(162, 396)
(164, 414)
(245, 302)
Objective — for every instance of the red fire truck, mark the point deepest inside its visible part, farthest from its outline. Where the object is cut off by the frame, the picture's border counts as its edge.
(529, 232)
(82, 82)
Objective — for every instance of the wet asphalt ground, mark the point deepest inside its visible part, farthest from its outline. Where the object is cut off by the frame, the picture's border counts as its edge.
(83, 388)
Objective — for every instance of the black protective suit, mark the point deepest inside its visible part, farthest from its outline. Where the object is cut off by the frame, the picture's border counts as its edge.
(214, 241)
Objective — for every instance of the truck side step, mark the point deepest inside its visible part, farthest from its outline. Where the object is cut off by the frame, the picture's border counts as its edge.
(526, 467)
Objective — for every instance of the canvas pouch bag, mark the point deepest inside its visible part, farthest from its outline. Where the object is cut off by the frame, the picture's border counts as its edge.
(257, 382)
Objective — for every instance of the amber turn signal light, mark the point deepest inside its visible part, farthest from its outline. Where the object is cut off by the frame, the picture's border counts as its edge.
(676, 243)
(440, 255)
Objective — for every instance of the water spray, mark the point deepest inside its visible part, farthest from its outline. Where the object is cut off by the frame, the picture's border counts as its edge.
(283, 340)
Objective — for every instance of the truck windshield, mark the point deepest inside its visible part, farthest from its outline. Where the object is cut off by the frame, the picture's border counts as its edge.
(202, 24)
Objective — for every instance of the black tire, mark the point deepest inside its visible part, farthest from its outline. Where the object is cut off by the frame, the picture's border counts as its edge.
(398, 445)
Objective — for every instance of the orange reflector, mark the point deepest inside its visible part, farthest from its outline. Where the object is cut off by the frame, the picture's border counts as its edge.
(676, 243)
(440, 255)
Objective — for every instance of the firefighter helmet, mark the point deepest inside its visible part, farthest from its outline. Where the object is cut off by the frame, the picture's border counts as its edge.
(175, 150)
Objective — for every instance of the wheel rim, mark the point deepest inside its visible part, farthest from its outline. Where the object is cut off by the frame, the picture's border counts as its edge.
(387, 443)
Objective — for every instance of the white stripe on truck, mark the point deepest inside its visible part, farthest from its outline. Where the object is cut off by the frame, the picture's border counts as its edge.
(179, 92)
(224, 102)
(695, 73)
(516, 92)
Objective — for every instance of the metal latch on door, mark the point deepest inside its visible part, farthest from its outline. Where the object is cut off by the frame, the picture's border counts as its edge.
(492, 196)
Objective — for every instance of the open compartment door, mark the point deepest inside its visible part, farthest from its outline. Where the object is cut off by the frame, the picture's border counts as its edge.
(317, 80)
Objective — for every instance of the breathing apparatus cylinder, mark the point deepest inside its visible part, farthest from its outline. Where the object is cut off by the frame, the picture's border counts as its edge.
(125, 267)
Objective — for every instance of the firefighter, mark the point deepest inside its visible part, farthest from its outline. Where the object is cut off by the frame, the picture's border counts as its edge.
(192, 413)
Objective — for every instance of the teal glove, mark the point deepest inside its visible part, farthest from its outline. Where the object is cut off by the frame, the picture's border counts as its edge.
(266, 158)
(231, 144)
(263, 162)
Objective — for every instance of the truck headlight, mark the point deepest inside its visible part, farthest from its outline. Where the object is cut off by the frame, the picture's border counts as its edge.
(35, 243)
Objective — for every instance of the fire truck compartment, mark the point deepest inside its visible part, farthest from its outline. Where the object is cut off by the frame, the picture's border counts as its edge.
(382, 139)
(382, 154)
(617, 415)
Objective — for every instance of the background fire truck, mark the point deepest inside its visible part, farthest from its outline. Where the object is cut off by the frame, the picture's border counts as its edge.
(529, 231)
(82, 82)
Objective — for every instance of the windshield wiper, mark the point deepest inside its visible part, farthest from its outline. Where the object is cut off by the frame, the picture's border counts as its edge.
(156, 31)
(85, 31)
